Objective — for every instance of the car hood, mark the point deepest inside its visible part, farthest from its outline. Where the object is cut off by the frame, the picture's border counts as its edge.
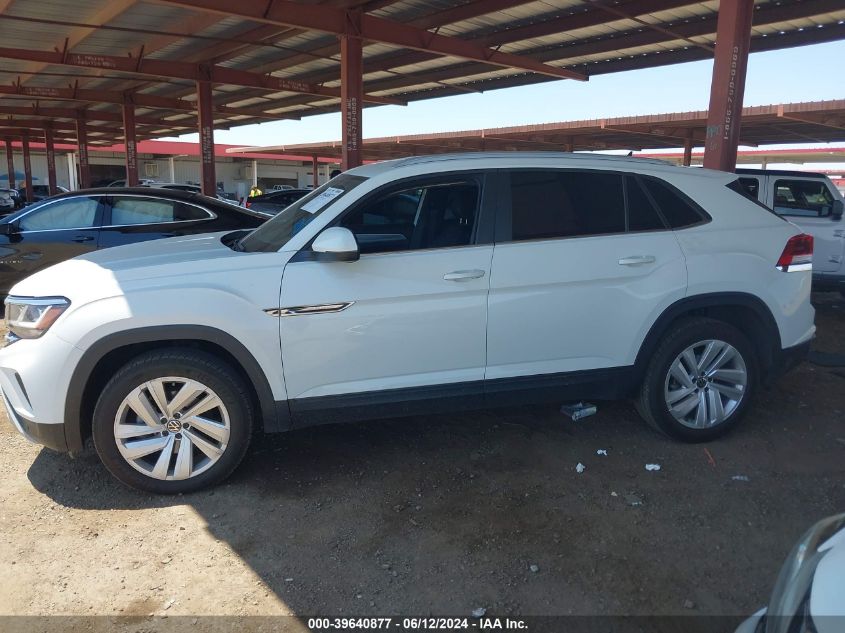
(173, 262)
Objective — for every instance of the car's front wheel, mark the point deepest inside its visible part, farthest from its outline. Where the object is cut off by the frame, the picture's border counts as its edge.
(173, 421)
(700, 380)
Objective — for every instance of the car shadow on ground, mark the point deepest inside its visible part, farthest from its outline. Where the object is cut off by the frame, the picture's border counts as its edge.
(448, 513)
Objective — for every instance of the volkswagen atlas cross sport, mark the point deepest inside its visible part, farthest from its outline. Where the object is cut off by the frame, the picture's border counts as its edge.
(418, 285)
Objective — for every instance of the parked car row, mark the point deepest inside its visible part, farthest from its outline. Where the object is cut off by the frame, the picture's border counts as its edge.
(423, 284)
(76, 223)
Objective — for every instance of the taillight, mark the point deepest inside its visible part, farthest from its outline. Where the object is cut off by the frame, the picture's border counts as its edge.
(797, 254)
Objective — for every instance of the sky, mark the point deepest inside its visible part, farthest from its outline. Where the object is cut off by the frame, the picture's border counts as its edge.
(810, 73)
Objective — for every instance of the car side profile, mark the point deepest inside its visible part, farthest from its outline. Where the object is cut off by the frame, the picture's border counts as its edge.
(73, 224)
(426, 284)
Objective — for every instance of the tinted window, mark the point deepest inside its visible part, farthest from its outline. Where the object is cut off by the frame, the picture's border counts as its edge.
(550, 204)
(431, 216)
(803, 198)
(129, 210)
(751, 186)
(642, 216)
(678, 211)
(71, 213)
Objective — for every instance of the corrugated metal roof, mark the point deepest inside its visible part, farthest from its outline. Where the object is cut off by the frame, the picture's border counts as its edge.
(588, 37)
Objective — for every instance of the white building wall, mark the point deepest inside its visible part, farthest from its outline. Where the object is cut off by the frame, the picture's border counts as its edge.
(235, 174)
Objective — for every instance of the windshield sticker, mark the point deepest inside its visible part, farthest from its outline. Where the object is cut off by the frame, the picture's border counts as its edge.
(322, 200)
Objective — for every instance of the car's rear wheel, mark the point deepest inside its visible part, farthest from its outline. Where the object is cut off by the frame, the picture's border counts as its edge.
(700, 380)
(173, 421)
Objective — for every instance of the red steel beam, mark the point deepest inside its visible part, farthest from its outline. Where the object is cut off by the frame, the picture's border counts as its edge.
(374, 29)
(130, 143)
(352, 86)
(50, 146)
(179, 70)
(27, 167)
(141, 100)
(733, 41)
(92, 115)
(82, 144)
(206, 131)
(10, 162)
(315, 173)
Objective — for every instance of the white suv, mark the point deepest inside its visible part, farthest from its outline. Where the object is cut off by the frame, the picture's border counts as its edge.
(418, 285)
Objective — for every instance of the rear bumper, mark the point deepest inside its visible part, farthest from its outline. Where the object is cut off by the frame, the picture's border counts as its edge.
(50, 435)
(788, 359)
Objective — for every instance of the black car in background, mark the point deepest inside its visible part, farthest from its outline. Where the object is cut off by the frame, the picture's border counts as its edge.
(72, 224)
(274, 201)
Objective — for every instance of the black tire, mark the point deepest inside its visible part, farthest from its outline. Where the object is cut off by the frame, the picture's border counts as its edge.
(187, 363)
(651, 402)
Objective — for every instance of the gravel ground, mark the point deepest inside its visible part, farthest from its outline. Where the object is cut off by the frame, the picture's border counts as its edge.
(443, 515)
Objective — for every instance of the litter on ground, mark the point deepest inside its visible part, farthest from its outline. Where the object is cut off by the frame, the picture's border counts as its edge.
(652, 467)
(580, 468)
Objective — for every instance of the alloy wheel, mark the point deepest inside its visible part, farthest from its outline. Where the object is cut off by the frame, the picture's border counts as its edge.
(705, 384)
(172, 428)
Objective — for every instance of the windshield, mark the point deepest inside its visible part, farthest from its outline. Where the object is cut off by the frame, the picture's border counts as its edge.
(275, 233)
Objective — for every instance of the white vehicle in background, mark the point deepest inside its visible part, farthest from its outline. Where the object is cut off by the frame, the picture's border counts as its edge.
(428, 284)
(809, 595)
(811, 202)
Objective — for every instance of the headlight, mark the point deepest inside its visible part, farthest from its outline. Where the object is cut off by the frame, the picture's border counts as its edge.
(28, 317)
(789, 607)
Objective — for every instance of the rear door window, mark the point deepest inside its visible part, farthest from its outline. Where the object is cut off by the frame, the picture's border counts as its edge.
(554, 204)
(137, 210)
(803, 198)
(642, 215)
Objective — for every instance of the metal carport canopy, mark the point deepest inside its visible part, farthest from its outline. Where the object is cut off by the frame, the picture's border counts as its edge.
(813, 122)
(234, 63)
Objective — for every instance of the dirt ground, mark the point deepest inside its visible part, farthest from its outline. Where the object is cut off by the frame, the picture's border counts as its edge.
(443, 515)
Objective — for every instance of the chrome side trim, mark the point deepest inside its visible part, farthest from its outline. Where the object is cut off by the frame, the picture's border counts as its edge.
(326, 308)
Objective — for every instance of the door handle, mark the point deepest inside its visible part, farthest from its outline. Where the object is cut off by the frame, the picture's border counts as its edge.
(463, 275)
(82, 238)
(637, 260)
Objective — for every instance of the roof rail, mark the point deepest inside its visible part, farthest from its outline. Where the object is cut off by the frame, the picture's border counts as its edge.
(432, 158)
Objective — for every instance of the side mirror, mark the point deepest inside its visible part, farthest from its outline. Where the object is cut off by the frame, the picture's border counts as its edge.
(9, 228)
(838, 208)
(336, 244)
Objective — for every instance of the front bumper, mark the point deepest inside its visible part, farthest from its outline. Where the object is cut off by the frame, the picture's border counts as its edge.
(50, 435)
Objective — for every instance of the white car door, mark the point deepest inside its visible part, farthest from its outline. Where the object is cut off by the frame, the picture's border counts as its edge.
(576, 280)
(808, 203)
(405, 321)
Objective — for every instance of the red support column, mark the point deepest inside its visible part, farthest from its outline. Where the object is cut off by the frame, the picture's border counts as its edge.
(351, 91)
(130, 142)
(733, 39)
(27, 167)
(206, 130)
(50, 144)
(315, 168)
(82, 143)
(10, 163)
(688, 152)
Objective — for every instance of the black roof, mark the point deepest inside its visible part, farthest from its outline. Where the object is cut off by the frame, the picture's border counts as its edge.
(782, 172)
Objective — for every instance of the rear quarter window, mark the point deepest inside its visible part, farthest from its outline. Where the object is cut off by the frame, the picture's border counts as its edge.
(677, 209)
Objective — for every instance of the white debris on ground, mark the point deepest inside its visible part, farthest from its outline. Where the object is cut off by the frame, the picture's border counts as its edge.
(479, 612)
(580, 468)
(740, 478)
(601, 451)
(652, 467)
